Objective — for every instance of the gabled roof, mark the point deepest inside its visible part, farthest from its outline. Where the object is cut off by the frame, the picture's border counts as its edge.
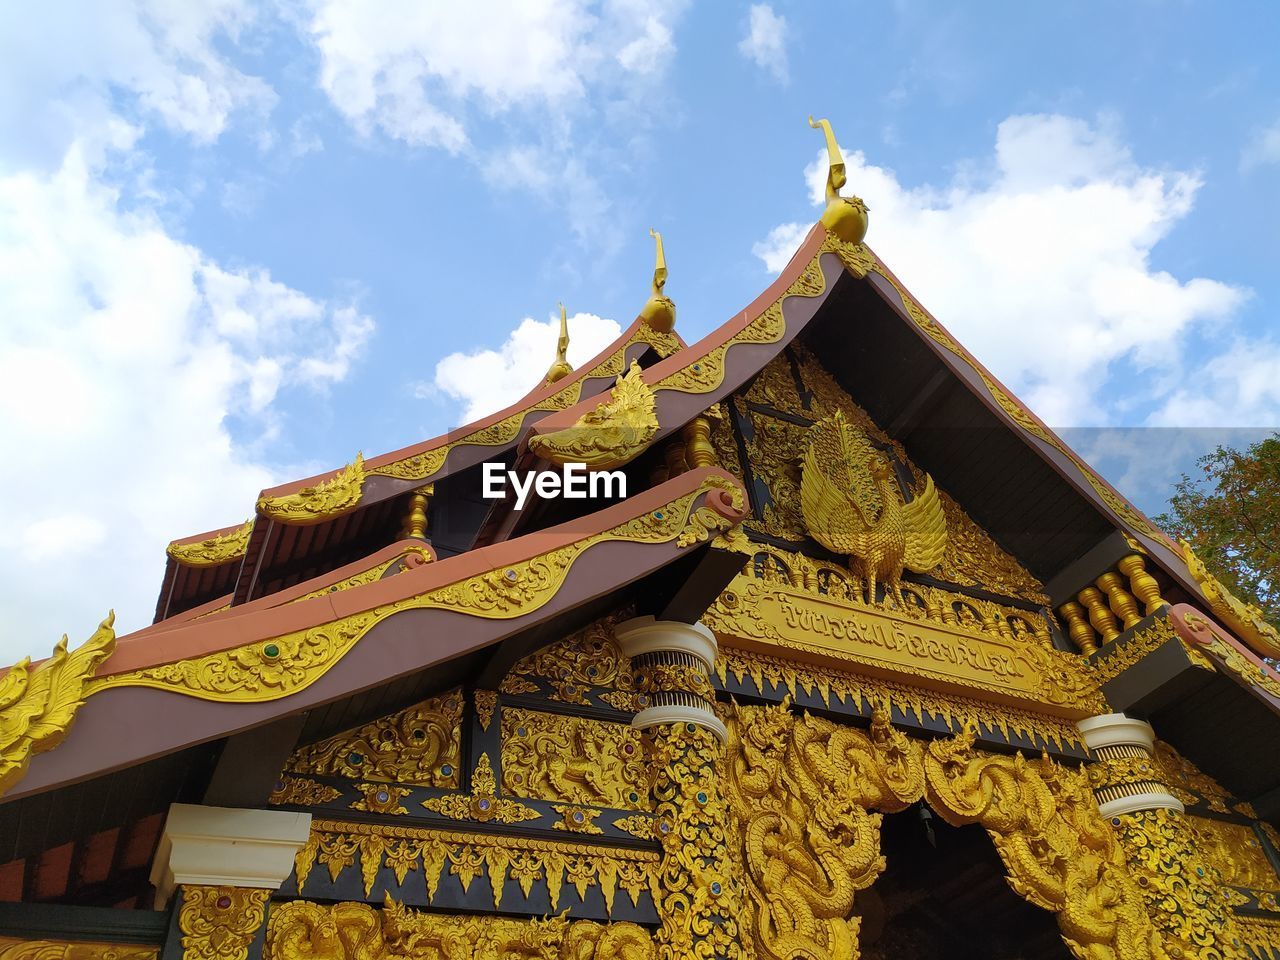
(215, 671)
(229, 559)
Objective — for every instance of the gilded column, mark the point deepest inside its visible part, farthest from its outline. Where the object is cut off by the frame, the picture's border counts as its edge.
(684, 750)
(1182, 895)
(222, 864)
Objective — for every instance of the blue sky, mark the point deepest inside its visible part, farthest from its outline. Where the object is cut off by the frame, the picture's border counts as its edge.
(240, 242)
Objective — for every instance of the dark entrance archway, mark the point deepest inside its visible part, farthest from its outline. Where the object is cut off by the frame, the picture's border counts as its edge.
(944, 895)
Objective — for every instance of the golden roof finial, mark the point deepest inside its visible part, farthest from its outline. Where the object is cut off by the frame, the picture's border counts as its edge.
(835, 162)
(660, 312)
(846, 217)
(560, 368)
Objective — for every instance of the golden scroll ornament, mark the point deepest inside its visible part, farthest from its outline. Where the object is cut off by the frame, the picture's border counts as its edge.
(12, 948)
(277, 667)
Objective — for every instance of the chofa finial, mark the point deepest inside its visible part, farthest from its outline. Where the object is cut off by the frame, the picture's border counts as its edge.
(835, 162)
(846, 217)
(560, 367)
(660, 264)
(660, 312)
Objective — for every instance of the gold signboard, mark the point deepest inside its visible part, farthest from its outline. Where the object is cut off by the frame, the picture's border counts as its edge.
(762, 616)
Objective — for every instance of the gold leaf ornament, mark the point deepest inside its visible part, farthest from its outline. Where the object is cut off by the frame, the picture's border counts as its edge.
(38, 706)
(614, 433)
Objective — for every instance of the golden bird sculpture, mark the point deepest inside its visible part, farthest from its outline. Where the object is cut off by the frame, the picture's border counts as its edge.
(852, 505)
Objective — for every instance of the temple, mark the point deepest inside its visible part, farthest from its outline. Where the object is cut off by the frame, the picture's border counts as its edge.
(866, 662)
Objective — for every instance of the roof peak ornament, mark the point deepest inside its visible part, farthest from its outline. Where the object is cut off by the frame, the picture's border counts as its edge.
(560, 367)
(660, 312)
(846, 217)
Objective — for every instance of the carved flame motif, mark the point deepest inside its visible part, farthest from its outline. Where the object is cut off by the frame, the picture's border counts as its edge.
(852, 506)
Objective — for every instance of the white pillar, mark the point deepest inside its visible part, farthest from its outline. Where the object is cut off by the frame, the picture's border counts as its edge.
(224, 847)
(1128, 778)
(673, 662)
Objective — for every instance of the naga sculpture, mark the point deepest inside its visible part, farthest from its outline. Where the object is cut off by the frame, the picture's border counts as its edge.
(852, 506)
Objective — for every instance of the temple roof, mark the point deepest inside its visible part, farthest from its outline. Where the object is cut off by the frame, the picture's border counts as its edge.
(320, 599)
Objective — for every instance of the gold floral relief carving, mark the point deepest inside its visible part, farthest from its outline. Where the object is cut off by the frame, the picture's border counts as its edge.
(698, 894)
(381, 798)
(1187, 782)
(799, 791)
(323, 500)
(219, 923)
(613, 434)
(482, 803)
(584, 661)
(420, 744)
(301, 930)
(1236, 852)
(1060, 853)
(12, 948)
(572, 759)
(1178, 881)
(301, 791)
(433, 854)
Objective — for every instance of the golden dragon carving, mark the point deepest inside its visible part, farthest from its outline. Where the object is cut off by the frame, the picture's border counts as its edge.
(37, 707)
(614, 433)
(851, 505)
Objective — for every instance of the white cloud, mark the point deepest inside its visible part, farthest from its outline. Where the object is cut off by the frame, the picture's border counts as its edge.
(412, 70)
(63, 67)
(779, 246)
(1042, 268)
(765, 42)
(124, 354)
(504, 83)
(1263, 148)
(488, 380)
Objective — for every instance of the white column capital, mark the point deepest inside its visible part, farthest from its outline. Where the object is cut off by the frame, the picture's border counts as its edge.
(646, 635)
(221, 846)
(1116, 730)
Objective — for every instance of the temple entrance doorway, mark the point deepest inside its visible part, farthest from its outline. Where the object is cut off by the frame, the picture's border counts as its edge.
(944, 895)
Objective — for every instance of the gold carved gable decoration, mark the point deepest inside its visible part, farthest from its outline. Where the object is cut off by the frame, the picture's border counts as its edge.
(419, 745)
(776, 415)
(851, 504)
